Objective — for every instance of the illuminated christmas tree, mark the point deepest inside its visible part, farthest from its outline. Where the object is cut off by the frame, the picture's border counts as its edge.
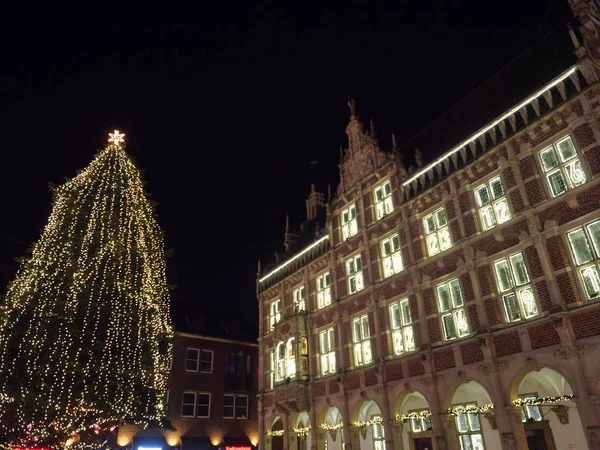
(85, 334)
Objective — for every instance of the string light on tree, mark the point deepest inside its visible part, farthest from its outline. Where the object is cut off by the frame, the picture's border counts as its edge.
(85, 334)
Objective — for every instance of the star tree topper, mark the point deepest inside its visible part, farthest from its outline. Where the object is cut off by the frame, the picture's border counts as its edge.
(116, 138)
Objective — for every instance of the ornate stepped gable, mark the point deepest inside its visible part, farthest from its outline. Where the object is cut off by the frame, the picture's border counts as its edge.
(363, 154)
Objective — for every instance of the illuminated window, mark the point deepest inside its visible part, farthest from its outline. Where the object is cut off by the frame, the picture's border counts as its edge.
(402, 331)
(514, 285)
(280, 360)
(349, 224)
(188, 404)
(272, 370)
(203, 405)
(562, 167)
(383, 200)
(206, 361)
(422, 423)
(469, 429)
(530, 413)
(392, 258)
(492, 203)
(355, 275)
(285, 360)
(290, 351)
(437, 232)
(235, 406)
(361, 336)
(323, 291)
(452, 312)
(327, 342)
(585, 245)
(192, 360)
(378, 437)
(274, 314)
(299, 302)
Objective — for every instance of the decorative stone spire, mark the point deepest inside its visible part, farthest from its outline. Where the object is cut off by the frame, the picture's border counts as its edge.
(394, 143)
(373, 132)
(399, 158)
(588, 51)
(418, 158)
(314, 202)
(352, 106)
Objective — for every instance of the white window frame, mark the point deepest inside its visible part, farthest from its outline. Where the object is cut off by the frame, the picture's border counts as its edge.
(349, 222)
(212, 359)
(274, 313)
(327, 351)
(469, 433)
(437, 232)
(453, 312)
(520, 290)
(361, 339)
(530, 411)
(272, 369)
(188, 404)
(378, 433)
(569, 170)
(280, 361)
(198, 394)
(356, 281)
(187, 358)
(421, 424)
(384, 202)
(391, 255)
(587, 265)
(403, 337)
(232, 396)
(323, 290)
(237, 397)
(492, 204)
(299, 299)
(290, 357)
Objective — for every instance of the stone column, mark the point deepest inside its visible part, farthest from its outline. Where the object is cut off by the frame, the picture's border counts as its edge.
(516, 439)
(388, 418)
(397, 434)
(285, 420)
(321, 439)
(348, 441)
(444, 439)
(293, 440)
(511, 433)
(261, 424)
(354, 442)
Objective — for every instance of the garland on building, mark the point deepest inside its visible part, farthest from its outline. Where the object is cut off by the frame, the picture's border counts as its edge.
(456, 410)
(542, 400)
(363, 423)
(413, 416)
(275, 433)
(85, 334)
(302, 431)
(328, 427)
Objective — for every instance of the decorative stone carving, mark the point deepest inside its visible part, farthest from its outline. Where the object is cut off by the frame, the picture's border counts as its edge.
(491, 418)
(508, 441)
(562, 412)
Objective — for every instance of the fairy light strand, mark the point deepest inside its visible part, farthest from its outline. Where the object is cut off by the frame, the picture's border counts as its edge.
(85, 333)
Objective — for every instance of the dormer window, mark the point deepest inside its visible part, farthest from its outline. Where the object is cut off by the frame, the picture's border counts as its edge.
(384, 203)
(349, 223)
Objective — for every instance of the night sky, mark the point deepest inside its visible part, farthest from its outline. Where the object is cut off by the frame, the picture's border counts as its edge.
(226, 112)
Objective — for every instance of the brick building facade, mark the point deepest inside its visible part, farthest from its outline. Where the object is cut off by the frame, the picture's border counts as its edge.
(211, 397)
(450, 305)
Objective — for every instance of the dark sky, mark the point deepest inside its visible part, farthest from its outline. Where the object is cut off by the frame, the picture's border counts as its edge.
(225, 112)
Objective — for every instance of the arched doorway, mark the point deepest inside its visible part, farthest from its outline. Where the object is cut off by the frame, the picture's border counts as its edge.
(277, 434)
(551, 421)
(333, 438)
(302, 428)
(474, 421)
(371, 428)
(415, 415)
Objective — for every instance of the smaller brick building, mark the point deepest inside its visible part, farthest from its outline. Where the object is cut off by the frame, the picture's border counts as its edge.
(211, 394)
